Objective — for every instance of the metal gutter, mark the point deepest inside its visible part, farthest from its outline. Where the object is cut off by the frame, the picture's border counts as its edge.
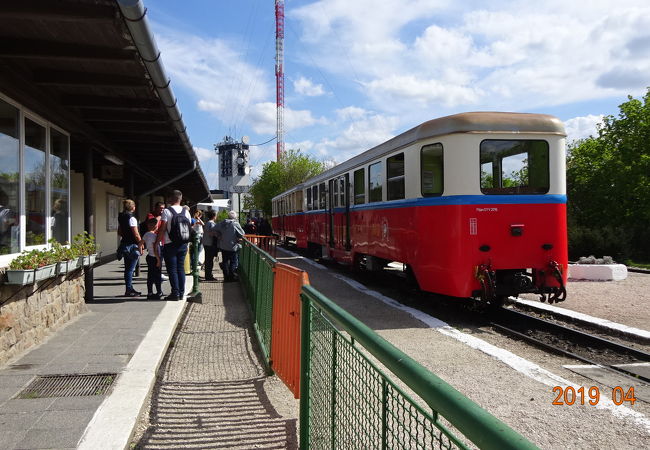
(134, 14)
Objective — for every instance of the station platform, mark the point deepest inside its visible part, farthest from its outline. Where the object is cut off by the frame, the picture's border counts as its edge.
(211, 365)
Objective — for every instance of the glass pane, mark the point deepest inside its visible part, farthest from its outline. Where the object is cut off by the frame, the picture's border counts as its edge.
(9, 179)
(59, 176)
(359, 187)
(510, 167)
(432, 170)
(342, 191)
(323, 196)
(395, 176)
(35, 182)
(308, 199)
(374, 183)
(335, 190)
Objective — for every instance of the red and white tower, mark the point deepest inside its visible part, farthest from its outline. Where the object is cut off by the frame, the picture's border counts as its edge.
(279, 74)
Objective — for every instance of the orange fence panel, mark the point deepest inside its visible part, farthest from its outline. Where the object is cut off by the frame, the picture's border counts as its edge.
(266, 243)
(285, 340)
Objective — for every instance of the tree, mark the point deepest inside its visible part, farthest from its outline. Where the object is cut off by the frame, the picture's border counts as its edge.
(293, 168)
(608, 178)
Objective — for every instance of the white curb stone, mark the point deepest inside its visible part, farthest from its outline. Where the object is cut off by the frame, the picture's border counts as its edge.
(598, 272)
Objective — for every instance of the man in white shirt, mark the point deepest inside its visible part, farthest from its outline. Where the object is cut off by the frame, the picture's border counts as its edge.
(173, 252)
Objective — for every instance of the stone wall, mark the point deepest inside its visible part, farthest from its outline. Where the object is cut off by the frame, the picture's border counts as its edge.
(29, 314)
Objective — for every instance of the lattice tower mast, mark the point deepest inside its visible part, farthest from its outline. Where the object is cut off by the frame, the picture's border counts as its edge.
(279, 74)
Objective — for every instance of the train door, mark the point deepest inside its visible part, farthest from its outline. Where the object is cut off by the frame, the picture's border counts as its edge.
(347, 195)
(330, 212)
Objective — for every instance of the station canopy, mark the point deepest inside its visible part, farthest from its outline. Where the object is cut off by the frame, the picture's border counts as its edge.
(80, 65)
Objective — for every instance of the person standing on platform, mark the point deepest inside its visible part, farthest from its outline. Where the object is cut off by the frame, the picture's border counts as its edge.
(210, 244)
(131, 244)
(174, 231)
(154, 263)
(231, 234)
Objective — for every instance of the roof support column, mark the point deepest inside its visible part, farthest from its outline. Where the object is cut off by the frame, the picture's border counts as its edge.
(89, 216)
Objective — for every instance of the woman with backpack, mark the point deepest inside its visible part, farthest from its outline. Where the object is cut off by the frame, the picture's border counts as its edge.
(174, 231)
(131, 244)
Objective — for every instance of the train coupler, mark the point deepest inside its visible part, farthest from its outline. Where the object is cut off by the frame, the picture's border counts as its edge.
(556, 294)
(487, 279)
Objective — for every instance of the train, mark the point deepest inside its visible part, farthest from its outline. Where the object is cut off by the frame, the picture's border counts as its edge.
(472, 205)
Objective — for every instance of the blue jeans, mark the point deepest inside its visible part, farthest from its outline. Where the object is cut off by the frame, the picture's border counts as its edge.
(130, 261)
(230, 263)
(175, 262)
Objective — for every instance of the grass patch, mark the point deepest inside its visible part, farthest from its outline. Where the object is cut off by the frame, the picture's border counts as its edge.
(641, 265)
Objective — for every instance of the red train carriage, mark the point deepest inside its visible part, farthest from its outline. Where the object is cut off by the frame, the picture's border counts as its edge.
(473, 204)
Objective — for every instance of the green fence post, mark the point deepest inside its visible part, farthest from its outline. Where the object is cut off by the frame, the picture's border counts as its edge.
(305, 349)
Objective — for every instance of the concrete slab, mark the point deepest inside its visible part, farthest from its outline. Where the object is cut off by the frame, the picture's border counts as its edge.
(612, 379)
(50, 438)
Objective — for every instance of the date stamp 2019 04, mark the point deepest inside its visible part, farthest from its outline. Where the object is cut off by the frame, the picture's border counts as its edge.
(570, 396)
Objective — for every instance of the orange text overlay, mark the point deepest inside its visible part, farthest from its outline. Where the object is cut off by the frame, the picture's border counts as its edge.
(570, 396)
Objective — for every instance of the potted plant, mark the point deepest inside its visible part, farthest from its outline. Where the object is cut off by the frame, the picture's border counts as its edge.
(45, 265)
(84, 245)
(31, 266)
(66, 257)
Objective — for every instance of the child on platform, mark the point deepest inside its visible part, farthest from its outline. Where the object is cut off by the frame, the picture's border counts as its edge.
(153, 261)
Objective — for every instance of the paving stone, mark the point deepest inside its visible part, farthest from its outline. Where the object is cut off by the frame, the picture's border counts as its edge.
(72, 418)
(90, 402)
(56, 438)
(26, 405)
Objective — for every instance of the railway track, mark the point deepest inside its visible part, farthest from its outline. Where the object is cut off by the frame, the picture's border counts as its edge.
(570, 342)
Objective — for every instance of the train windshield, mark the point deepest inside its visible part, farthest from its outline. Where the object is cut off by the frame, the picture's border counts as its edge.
(511, 167)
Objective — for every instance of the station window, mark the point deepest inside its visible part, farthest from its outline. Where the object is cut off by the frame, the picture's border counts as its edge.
(342, 191)
(395, 177)
(323, 196)
(375, 183)
(431, 170)
(514, 167)
(359, 187)
(38, 189)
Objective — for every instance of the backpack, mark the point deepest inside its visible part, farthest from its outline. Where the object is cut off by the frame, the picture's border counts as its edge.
(180, 228)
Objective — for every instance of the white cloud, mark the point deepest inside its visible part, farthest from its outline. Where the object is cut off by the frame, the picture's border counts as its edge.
(262, 117)
(305, 86)
(582, 127)
(497, 55)
(204, 154)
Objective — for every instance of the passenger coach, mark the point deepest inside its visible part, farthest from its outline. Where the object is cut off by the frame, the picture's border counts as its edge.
(474, 205)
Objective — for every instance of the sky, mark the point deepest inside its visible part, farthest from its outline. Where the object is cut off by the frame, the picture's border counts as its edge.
(358, 72)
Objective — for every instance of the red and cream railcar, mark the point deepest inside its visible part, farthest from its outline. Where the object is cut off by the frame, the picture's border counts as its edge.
(473, 204)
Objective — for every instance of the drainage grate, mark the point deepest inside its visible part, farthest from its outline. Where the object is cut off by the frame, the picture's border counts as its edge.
(68, 385)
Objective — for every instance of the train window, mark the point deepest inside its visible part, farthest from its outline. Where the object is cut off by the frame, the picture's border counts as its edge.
(342, 191)
(431, 170)
(511, 167)
(335, 188)
(359, 187)
(395, 177)
(323, 196)
(314, 197)
(308, 199)
(374, 183)
(299, 202)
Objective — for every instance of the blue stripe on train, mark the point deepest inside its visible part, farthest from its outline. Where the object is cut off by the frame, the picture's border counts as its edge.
(457, 200)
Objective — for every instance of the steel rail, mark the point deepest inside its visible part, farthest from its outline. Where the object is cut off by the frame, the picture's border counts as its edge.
(579, 338)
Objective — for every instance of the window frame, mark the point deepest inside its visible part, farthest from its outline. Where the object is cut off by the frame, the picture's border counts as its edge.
(362, 184)
(442, 156)
(401, 177)
(515, 190)
(26, 114)
(381, 183)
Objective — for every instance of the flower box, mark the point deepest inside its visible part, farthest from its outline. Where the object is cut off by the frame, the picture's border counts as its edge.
(62, 267)
(45, 272)
(20, 277)
(74, 264)
(89, 260)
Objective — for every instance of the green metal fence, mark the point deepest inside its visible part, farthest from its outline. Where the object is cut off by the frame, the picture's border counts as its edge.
(256, 274)
(346, 401)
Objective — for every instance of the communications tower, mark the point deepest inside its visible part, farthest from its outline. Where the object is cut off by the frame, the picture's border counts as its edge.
(279, 74)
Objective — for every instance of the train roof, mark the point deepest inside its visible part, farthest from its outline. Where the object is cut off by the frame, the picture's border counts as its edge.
(469, 122)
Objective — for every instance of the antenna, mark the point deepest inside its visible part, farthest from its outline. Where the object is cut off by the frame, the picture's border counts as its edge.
(279, 74)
